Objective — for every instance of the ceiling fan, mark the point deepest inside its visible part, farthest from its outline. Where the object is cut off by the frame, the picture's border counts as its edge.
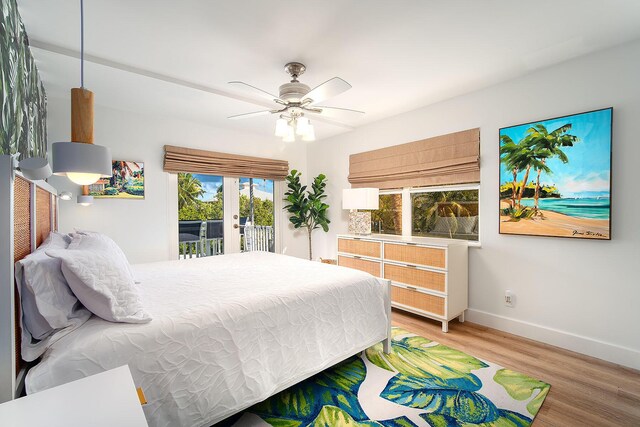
(294, 100)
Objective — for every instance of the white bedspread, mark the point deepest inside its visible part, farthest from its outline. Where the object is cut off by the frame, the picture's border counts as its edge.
(227, 331)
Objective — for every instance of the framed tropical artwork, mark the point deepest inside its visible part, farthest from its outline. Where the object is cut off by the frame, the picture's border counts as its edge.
(555, 177)
(126, 182)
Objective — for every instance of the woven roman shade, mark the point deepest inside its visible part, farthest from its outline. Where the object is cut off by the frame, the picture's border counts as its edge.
(442, 160)
(180, 159)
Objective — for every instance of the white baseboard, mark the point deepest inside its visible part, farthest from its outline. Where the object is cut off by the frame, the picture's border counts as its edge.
(592, 347)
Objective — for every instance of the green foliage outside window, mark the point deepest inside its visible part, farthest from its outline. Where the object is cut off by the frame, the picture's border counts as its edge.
(449, 214)
(191, 208)
(388, 218)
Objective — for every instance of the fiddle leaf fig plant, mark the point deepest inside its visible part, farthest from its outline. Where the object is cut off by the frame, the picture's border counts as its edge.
(306, 207)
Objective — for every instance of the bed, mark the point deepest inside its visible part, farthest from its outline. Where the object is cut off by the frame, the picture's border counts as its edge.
(227, 332)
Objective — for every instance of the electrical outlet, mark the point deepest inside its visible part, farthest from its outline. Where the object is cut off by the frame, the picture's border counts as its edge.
(509, 298)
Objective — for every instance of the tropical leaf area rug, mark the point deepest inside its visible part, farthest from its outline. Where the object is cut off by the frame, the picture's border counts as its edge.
(421, 383)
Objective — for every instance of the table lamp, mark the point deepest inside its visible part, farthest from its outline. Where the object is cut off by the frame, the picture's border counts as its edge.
(363, 199)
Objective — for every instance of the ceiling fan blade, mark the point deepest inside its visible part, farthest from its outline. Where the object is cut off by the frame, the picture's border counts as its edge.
(337, 109)
(255, 91)
(326, 90)
(248, 115)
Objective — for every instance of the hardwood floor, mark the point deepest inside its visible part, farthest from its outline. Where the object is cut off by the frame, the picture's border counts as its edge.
(584, 391)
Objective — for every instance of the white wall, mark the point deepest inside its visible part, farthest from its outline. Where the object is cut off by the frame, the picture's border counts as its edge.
(144, 228)
(579, 294)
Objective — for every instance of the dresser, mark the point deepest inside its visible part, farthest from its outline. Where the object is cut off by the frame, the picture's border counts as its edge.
(429, 277)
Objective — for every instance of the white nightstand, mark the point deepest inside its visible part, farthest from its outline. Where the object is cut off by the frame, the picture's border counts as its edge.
(107, 399)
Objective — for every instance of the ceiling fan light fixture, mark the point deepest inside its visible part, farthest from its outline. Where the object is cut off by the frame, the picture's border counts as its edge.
(294, 100)
(302, 125)
(291, 135)
(281, 127)
(310, 135)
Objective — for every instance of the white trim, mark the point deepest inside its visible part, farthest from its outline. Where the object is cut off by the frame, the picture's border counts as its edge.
(172, 215)
(7, 314)
(231, 207)
(579, 343)
(279, 218)
(406, 213)
(457, 187)
(34, 216)
(395, 191)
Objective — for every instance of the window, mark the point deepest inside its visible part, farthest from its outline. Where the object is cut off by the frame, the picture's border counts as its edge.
(388, 218)
(200, 215)
(256, 214)
(449, 214)
(218, 214)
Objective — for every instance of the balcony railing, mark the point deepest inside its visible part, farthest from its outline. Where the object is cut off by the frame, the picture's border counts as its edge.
(204, 238)
(200, 248)
(257, 238)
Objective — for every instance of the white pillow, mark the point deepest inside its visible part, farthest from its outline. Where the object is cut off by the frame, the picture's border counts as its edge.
(107, 243)
(47, 301)
(101, 279)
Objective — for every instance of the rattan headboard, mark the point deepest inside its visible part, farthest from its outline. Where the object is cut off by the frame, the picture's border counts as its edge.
(29, 213)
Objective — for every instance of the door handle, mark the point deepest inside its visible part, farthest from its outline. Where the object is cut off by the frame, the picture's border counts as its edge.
(235, 217)
(235, 226)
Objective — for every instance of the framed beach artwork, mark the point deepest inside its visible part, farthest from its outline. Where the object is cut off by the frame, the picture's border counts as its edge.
(555, 177)
(126, 182)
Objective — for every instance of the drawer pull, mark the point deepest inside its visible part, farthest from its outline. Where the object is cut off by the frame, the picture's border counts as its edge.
(411, 243)
(412, 288)
(411, 266)
(357, 257)
(357, 238)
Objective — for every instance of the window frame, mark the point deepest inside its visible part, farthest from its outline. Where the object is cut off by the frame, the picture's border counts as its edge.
(394, 191)
(407, 209)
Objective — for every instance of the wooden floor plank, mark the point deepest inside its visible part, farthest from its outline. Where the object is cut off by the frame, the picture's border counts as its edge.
(585, 391)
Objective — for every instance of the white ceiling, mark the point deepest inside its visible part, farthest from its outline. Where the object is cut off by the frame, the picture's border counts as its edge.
(398, 55)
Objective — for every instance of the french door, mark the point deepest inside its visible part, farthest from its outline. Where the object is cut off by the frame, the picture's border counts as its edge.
(218, 215)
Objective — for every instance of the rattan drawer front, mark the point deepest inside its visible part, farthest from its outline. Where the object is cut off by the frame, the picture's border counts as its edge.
(412, 276)
(371, 267)
(419, 300)
(410, 254)
(359, 247)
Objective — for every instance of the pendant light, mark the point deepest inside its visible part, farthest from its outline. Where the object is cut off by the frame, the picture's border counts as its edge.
(81, 160)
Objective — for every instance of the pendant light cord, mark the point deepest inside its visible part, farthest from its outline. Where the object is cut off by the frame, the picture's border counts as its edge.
(81, 44)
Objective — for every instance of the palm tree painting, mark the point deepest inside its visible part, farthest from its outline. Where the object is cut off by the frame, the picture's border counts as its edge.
(126, 182)
(555, 177)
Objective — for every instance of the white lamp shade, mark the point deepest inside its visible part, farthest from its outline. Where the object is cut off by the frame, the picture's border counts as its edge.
(281, 127)
(85, 200)
(302, 126)
(35, 168)
(290, 135)
(360, 198)
(83, 163)
(310, 135)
